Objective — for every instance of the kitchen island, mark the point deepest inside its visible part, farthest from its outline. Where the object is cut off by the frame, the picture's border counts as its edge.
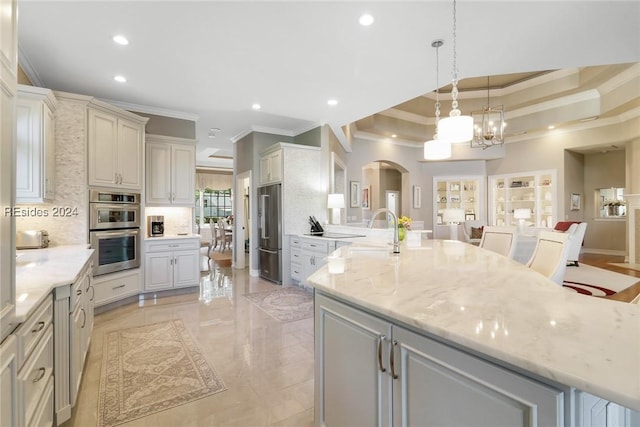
(493, 337)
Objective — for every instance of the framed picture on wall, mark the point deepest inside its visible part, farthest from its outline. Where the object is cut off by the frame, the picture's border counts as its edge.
(575, 201)
(354, 194)
(366, 197)
(417, 197)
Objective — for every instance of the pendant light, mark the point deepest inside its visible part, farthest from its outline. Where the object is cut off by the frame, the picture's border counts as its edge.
(455, 128)
(437, 149)
(489, 125)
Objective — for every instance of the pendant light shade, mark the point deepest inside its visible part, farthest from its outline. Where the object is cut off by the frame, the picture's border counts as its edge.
(437, 150)
(456, 128)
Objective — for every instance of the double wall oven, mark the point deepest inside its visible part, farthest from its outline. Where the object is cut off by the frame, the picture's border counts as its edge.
(114, 230)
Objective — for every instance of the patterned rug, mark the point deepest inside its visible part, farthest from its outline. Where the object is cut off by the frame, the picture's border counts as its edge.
(151, 368)
(595, 281)
(285, 305)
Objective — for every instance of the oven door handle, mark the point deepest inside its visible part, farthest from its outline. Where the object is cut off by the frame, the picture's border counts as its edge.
(116, 233)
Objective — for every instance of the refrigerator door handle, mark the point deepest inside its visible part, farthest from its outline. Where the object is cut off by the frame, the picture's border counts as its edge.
(268, 251)
(263, 217)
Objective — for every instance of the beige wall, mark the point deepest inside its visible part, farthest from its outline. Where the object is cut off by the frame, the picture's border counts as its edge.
(22, 77)
(573, 183)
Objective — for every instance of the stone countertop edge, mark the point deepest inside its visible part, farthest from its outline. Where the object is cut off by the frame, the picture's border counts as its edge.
(171, 237)
(39, 271)
(491, 305)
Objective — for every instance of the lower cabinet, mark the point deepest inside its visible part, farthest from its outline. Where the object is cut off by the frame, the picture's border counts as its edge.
(308, 255)
(73, 324)
(171, 264)
(9, 381)
(116, 286)
(592, 411)
(372, 372)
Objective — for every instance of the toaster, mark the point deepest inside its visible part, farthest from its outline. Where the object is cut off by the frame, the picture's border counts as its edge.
(32, 239)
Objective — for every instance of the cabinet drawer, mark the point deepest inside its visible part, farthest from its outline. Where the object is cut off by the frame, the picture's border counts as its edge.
(112, 290)
(33, 328)
(296, 272)
(35, 373)
(295, 242)
(173, 245)
(43, 416)
(315, 245)
(296, 256)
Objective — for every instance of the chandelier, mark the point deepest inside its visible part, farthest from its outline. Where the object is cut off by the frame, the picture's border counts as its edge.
(455, 128)
(488, 125)
(436, 149)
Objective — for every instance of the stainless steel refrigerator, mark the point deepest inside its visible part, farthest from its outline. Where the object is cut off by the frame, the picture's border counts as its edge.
(270, 232)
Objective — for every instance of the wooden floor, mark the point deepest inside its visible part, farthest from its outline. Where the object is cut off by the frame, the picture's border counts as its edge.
(604, 262)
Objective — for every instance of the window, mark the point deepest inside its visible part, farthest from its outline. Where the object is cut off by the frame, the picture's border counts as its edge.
(215, 204)
(610, 203)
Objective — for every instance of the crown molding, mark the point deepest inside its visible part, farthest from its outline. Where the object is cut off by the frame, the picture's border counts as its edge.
(396, 113)
(563, 101)
(28, 68)
(618, 80)
(153, 110)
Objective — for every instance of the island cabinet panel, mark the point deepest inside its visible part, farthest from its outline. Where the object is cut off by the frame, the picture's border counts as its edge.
(352, 385)
(372, 372)
(592, 411)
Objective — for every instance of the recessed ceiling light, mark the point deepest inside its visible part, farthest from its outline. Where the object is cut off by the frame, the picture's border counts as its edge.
(394, 136)
(120, 79)
(121, 40)
(332, 102)
(256, 106)
(366, 20)
(551, 127)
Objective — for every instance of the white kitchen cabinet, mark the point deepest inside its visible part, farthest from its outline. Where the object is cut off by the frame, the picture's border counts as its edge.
(271, 167)
(116, 286)
(170, 171)
(115, 148)
(9, 381)
(308, 254)
(171, 263)
(73, 323)
(36, 149)
(8, 95)
(35, 362)
(593, 411)
(370, 371)
(535, 191)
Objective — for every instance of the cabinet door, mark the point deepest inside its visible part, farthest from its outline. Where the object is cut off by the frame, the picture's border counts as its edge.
(186, 270)
(9, 382)
(350, 387)
(265, 172)
(8, 90)
(28, 153)
(592, 411)
(49, 135)
(183, 171)
(103, 139)
(78, 322)
(129, 155)
(158, 268)
(275, 166)
(158, 173)
(442, 386)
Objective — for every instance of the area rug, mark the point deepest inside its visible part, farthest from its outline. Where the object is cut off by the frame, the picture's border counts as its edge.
(626, 265)
(285, 305)
(590, 280)
(152, 368)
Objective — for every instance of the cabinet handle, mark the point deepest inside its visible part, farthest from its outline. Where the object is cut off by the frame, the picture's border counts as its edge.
(392, 353)
(41, 375)
(79, 292)
(118, 287)
(93, 293)
(84, 318)
(380, 339)
(38, 328)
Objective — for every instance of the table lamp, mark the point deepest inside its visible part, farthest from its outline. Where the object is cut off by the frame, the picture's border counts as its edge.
(521, 215)
(335, 202)
(453, 216)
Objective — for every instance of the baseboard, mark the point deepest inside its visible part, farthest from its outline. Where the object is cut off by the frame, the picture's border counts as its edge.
(603, 251)
(254, 273)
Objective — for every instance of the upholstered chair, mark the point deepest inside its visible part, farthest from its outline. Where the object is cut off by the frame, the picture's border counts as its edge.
(501, 240)
(550, 255)
(472, 231)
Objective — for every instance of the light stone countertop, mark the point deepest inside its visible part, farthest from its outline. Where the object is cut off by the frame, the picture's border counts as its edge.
(39, 271)
(172, 237)
(495, 306)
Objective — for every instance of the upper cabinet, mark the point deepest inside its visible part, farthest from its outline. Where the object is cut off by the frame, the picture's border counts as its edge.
(36, 145)
(534, 192)
(170, 171)
(115, 149)
(271, 167)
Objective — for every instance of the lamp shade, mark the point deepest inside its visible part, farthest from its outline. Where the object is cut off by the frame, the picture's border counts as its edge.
(522, 213)
(451, 215)
(335, 201)
(456, 129)
(437, 150)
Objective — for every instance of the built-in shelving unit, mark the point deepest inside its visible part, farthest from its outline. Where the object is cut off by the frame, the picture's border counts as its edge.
(466, 192)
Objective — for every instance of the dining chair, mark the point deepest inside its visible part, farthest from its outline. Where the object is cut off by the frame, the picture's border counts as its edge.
(224, 235)
(501, 240)
(550, 255)
(576, 232)
(214, 237)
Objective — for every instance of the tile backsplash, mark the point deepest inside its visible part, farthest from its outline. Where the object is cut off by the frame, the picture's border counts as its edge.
(176, 220)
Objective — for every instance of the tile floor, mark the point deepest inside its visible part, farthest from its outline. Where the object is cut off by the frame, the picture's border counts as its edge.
(267, 366)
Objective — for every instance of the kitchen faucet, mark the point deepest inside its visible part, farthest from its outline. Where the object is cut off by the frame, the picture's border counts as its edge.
(396, 242)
